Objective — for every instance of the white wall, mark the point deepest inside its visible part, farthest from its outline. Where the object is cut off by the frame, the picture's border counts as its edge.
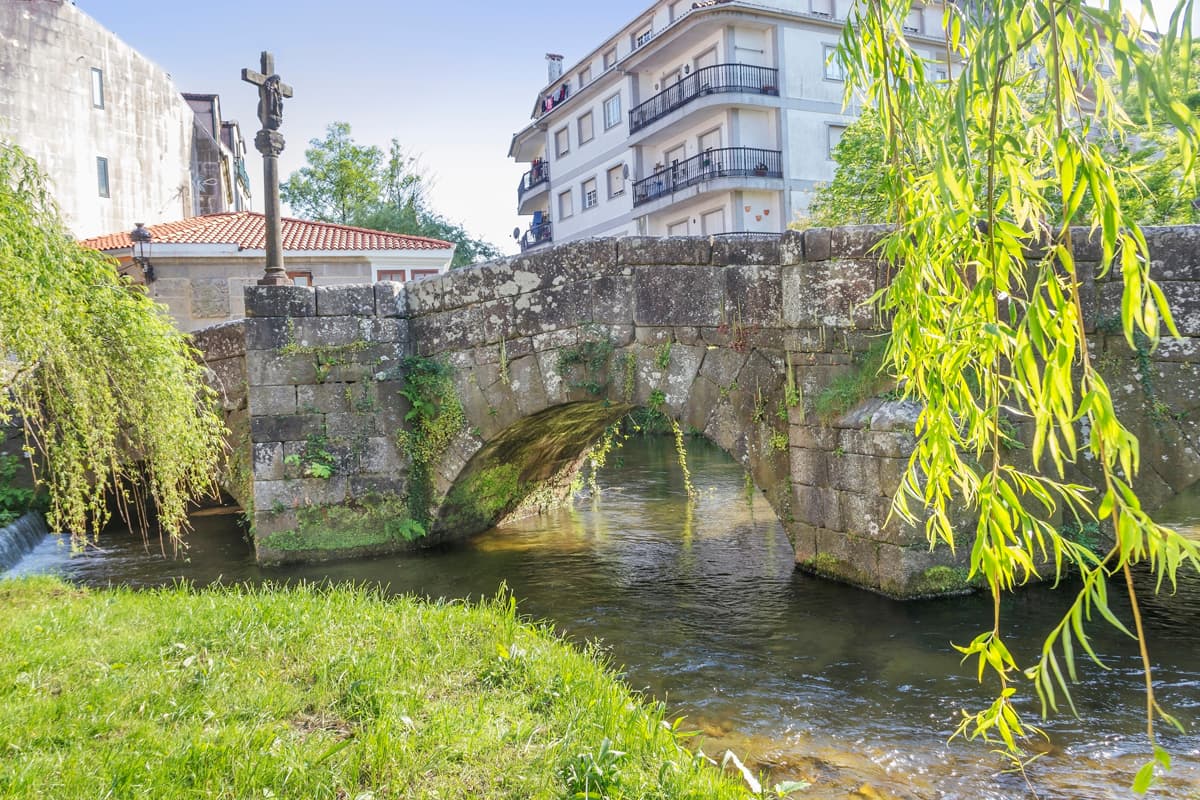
(144, 130)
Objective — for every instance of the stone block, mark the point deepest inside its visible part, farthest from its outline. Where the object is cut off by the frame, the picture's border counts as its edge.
(286, 428)
(791, 248)
(272, 400)
(283, 495)
(830, 293)
(390, 299)
(745, 250)
(380, 456)
(325, 333)
(855, 473)
(281, 301)
(817, 244)
(268, 461)
(855, 241)
(323, 398)
(269, 333)
(226, 340)
(813, 437)
(580, 260)
(380, 486)
(679, 295)
(755, 294)
(804, 540)
(613, 300)
(351, 425)
(1174, 252)
(654, 251)
(349, 299)
(810, 467)
(210, 298)
(385, 330)
(266, 367)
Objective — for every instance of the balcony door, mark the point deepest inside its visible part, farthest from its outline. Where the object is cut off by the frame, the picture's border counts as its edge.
(675, 162)
(707, 59)
(710, 162)
(712, 222)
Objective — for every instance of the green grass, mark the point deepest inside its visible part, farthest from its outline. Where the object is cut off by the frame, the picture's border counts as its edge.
(315, 693)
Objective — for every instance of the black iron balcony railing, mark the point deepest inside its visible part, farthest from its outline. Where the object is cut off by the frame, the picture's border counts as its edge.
(537, 176)
(722, 162)
(537, 234)
(706, 80)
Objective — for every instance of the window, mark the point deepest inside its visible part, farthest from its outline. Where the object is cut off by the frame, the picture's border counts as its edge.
(678, 9)
(642, 36)
(822, 8)
(610, 57)
(587, 130)
(424, 273)
(612, 111)
(712, 223)
(834, 135)
(97, 88)
(590, 197)
(398, 275)
(562, 142)
(585, 76)
(678, 228)
(102, 176)
(616, 181)
(306, 278)
(912, 23)
(565, 207)
(833, 67)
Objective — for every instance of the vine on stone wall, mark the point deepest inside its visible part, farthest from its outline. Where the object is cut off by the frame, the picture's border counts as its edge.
(434, 420)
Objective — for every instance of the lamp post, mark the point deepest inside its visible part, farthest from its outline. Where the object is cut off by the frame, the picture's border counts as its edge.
(141, 250)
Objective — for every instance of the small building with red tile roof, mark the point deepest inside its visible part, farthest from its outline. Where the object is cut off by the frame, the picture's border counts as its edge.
(202, 264)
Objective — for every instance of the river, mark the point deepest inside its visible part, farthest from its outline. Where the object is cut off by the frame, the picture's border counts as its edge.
(701, 607)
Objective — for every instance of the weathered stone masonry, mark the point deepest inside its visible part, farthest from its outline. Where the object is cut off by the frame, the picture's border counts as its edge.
(550, 348)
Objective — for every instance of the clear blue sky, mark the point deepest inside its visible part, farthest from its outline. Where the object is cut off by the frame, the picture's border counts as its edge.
(452, 81)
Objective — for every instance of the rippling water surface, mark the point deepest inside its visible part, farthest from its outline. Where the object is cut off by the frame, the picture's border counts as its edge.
(811, 679)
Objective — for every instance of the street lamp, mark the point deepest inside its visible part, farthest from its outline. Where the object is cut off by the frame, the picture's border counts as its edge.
(141, 250)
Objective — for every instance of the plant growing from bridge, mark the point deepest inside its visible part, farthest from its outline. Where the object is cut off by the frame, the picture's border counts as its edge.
(111, 396)
(585, 366)
(1000, 161)
(434, 419)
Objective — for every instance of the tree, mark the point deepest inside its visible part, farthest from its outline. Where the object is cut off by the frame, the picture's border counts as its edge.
(111, 396)
(1007, 159)
(352, 184)
(1150, 184)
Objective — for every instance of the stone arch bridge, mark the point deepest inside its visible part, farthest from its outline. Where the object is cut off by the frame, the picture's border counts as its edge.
(736, 338)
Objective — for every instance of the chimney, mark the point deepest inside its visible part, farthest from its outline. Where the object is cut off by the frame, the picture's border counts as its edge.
(554, 66)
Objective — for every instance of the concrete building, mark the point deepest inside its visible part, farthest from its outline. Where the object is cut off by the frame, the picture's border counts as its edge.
(117, 140)
(200, 265)
(696, 118)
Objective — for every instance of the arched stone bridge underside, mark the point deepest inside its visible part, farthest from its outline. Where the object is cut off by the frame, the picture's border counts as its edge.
(740, 339)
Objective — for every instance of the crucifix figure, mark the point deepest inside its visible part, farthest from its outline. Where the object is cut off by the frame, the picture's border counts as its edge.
(269, 142)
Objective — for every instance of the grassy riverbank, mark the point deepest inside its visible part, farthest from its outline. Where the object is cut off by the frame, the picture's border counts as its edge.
(314, 693)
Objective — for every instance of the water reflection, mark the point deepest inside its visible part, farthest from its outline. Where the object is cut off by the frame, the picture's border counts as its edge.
(703, 609)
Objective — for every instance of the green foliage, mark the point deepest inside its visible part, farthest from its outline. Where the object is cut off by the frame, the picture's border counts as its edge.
(847, 390)
(321, 693)
(315, 460)
(354, 184)
(110, 393)
(14, 500)
(856, 195)
(484, 496)
(978, 170)
(662, 358)
(434, 419)
(779, 442)
(369, 523)
(585, 366)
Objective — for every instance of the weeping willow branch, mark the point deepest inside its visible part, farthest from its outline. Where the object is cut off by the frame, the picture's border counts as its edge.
(999, 162)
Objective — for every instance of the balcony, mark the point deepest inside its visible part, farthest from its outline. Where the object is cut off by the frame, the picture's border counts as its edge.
(723, 162)
(717, 79)
(533, 183)
(537, 235)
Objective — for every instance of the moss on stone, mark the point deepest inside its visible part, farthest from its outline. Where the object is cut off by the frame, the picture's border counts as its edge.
(484, 497)
(369, 524)
(823, 563)
(941, 580)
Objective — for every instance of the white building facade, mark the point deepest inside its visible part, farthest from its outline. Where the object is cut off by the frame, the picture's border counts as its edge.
(697, 118)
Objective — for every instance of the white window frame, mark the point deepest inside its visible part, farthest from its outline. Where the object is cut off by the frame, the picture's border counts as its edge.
(567, 210)
(610, 57)
(619, 171)
(830, 144)
(563, 146)
(818, 7)
(834, 71)
(612, 115)
(97, 87)
(103, 178)
(585, 76)
(919, 28)
(591, 124)
(685, 221)
(590, 197)
(641, 35)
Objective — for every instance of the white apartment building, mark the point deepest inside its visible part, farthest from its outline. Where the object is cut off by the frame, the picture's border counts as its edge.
(697, 118)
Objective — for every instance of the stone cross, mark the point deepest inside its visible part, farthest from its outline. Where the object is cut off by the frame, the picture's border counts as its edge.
(269, 142)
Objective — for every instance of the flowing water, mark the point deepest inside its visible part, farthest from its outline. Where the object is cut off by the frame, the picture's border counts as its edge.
(800, 676)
